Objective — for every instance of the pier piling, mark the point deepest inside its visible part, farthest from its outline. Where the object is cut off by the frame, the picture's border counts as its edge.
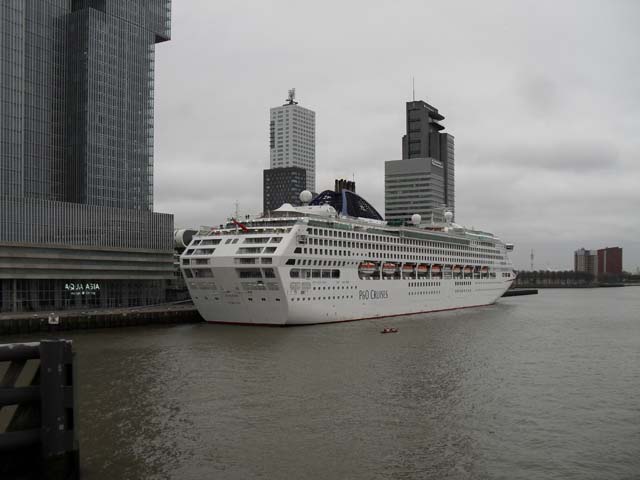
(38, 414)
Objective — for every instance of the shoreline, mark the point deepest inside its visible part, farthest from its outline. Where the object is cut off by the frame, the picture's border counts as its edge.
(48, 322)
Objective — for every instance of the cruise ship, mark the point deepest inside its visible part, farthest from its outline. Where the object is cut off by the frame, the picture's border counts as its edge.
(335, 259)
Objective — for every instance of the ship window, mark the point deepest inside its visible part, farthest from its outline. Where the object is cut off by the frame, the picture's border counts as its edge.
(205, 273)
(211, 242)
(335, 273)
(188, 274)
(245, 260)
(294, 273)
(298, 250)
(315, 273)
(269, 273)
(249, 250)
(249, 272)
(270, 250)
(291, 261)
(266, 260)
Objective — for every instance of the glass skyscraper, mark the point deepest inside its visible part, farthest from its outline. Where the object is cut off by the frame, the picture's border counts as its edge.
(76, 152)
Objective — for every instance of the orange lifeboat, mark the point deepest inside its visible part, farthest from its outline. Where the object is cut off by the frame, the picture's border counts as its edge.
(423, 269)
(388, 268)
(457, 269)
(467, 269)
(367, 268)
(484, 269)
(436, 269)
(408, 268)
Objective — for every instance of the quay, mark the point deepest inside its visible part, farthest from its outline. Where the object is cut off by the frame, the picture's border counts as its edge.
(173, 313)
(516, 292)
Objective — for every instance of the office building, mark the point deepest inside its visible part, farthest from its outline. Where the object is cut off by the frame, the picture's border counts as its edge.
(586, 261)
(423, 181)
(282, 185)
(293, 138)
(610, 261)
(600, 263)
(411, 186)
(77, 226)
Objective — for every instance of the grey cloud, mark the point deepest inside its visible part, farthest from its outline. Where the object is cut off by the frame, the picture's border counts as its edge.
(576, 156)
(543, 107)
(541, 94)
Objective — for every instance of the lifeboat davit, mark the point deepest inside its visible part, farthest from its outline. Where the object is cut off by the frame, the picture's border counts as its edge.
(367, 268)
(423, 269)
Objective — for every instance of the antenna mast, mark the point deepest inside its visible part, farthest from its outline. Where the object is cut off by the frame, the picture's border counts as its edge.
(413, 87)
(532, 259)
(291, 98)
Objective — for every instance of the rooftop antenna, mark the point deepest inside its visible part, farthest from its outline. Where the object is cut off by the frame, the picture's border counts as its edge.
(413, 87)
(236, 216)
(291, 97)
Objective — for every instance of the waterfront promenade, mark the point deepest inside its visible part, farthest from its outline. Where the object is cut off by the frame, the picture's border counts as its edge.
(26, 322)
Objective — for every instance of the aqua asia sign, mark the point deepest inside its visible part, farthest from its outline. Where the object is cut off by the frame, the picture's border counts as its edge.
(82, 288)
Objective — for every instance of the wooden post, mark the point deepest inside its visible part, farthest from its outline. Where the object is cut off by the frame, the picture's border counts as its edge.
(59, 442)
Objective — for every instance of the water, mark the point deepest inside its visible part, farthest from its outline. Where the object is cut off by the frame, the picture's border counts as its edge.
(537, 387)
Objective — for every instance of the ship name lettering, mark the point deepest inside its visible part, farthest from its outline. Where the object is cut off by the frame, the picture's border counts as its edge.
(372, 294)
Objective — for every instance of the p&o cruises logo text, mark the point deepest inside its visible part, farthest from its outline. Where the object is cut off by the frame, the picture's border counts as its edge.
(373, 294)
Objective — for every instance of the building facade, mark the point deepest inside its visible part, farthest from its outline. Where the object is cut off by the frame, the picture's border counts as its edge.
(586, 261)
(292, 131)
(77, 226)
(411, 186)
(610, 261)
(282, 185)
(604, 262)
(433, 155)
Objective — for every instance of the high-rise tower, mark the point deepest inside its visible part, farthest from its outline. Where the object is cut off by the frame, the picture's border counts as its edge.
(424, 180)
(293, 138)
(76, 153)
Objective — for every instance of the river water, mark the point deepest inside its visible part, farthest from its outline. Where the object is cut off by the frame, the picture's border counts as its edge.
(538, 387)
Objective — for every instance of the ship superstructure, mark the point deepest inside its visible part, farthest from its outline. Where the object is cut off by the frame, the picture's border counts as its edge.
(335, 259)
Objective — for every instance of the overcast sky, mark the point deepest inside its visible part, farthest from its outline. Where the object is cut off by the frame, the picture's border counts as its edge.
(543, 98)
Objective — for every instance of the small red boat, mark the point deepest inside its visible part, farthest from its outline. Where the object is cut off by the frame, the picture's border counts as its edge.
(389, 330)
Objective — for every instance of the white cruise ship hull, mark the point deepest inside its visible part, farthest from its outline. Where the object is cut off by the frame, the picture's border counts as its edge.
(309, 302)
(309, 265)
